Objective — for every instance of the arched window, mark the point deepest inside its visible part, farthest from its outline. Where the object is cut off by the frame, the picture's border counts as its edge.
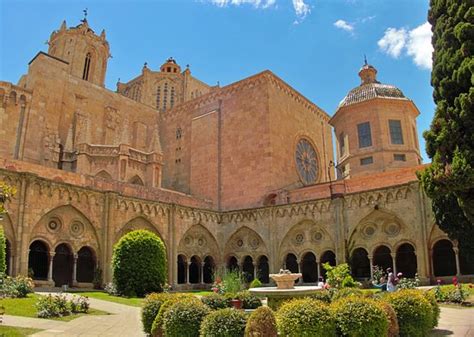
(444, 259)
(87, 66)
(383, 258)
(263, 269)
(85, 265)
(208, 269)
(248, 268)
(172, 97)
(309, 268)
(165, 96)
(232, 264)
(360, 263)
(182, 269)
(38, 260)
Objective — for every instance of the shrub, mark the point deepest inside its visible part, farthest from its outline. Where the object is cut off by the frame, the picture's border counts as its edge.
(347, 292)
(414, 312)
(139, 263)
(233, 282)
(305, 318)
(323, 295)
(339, 276)
(3, 249)
(79, 304)
(359, 317)
(224, 323)
(183, 318)
(151, 307)
(409, 283)
(111, 289)
(157, 323)
(215, 301)
(393, 329)
(52, 306)
(16, 287)
(261, 323)
(451, 293)
(434, 308)
(255, 283)
(249, 301)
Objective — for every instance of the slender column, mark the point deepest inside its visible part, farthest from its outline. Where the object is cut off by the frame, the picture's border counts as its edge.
(318, 267)
(10, 265)
(187, 273)
(394, 263)
(74, 271)
(456, 255)
(300, 270)
(50, 269)
(201, 275)
(371, 260)
(431, 264)
(254, 270)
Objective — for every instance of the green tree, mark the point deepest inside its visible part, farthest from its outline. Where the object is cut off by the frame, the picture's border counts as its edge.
(5, 194)
(449, 180)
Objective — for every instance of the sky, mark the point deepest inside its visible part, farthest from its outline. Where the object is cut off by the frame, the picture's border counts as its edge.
(316, 46)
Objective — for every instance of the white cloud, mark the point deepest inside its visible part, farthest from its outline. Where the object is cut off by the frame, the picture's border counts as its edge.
(415, 43)
(344, 25)
(301, 8)
(256, 3)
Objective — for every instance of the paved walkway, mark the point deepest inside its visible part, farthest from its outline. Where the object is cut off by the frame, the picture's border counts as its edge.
(455, 322)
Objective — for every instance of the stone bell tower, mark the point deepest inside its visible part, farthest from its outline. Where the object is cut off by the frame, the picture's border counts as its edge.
(86, 52)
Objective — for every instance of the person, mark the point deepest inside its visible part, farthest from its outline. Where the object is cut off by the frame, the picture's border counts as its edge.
(391, 286)
(321, 282)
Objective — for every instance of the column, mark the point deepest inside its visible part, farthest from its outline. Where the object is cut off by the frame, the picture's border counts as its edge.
(187, 272)
(431, 264)
(371, 260)
(10, 264)
(50, 269)
(456, 255)
(201, 274)
(74, 271)
(254, 270)
(318, 267)
(300, 270)
(394, 263)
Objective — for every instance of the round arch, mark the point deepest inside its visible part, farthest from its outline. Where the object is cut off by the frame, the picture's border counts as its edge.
(263, 269)
(232, 263)
(360, 263)
(208, 269)
(38, 259)
(327, 257)
(248, 268)
(86, 265)
(63, 263)
(406, 260)
(444, 259)
(243, 242)
(309, 268)
(382, 257)
(197, 240)
(195, 270)
(182, 269)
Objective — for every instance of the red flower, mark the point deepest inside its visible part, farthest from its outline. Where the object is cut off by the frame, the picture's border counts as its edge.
(455, 280)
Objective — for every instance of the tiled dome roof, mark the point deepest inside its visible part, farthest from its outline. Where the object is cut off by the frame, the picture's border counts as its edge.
(368, 91)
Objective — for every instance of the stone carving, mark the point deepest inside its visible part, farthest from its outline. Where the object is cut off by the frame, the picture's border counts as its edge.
(112, 117)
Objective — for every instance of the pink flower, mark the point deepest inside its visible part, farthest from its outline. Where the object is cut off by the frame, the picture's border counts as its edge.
(455, 280)
(438, 281)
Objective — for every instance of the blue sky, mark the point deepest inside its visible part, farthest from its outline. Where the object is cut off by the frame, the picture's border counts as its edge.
(317, 46)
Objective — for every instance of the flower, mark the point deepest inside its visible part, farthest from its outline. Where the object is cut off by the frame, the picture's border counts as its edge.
(455, 280)
(438, 281)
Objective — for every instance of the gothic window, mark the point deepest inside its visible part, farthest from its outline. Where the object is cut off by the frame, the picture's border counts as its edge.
(158, 97)
(396, 135)
(172, 97)
(87, 65)
(365, 138)
(179, 133)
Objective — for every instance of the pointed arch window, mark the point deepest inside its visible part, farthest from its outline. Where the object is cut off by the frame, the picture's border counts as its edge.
(87, 66)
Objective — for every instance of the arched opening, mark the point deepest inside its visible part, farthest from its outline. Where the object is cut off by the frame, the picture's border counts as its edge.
(406, 260)
(263, 269)
(310, 268)
(87, 66)
(62, 265)
(136, 180)
(208, 270)
(194, 270)
(85, 265)
(8, 254)
(467, 267)
(291, 263)
(38, 259)
(248, 268)
(444, 260)
(327, 257)
(181, 269)
(232, 264)
(383, 258)
(104, 175)
(360, 263)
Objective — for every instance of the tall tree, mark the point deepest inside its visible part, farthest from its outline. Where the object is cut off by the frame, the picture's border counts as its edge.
(449, 180)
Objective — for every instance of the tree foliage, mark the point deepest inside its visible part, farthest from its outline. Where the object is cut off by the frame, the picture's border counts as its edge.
(6, 192)
(449, 180)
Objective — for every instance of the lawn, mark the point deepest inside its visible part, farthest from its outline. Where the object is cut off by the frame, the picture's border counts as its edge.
(11, 331)
(196, 292)
(132, 301)
(26, 307)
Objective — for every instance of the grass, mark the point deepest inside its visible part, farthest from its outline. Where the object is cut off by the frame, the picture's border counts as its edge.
(11, 331)
(26, 307)
(197, 292)
(132, 301)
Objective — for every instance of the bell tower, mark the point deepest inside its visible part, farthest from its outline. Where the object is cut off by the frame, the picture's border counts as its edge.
(86, 52)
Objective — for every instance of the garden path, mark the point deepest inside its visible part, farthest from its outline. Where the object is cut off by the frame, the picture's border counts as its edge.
(455, 322)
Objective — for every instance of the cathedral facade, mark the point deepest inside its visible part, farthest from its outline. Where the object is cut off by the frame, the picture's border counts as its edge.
(240, 176)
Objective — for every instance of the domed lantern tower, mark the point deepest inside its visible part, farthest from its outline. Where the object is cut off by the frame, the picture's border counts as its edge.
(375, 128)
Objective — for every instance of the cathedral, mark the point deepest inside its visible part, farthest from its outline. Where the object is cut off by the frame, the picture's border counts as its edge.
(241, 176)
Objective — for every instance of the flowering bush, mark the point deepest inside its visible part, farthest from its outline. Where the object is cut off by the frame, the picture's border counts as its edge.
(231, 282)
(184, 318)
(378, 275)
(53, 306)
(14, 287)
(111, 289)
(455, 293)
(215, 301)
(409, 283)
(79, 304)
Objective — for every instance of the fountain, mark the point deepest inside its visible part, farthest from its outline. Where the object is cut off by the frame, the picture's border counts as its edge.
(284, 290)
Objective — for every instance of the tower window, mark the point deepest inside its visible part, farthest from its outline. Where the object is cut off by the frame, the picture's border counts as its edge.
(179, 133)
(87, 66)
(399, 157)
(396, 135)
(165, 96)
(365, 138)
(367, 161)
(172, 97)
(342, 144)
(158, 97)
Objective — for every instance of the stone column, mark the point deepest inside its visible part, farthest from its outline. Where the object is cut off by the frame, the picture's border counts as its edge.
(187, 272)
(50, 269)
(10, 265)
(371, 260)
(300, 270)
(431, 263)
(456, 255)
(318, 267)
(74, 271)
(201, 275)
(254, 270)
(394, 263)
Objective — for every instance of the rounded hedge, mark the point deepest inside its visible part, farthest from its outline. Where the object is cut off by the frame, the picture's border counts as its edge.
(249, 301)
(139, 263)
(323, 295)
(347, 292)
(261, 323)
(414, 312)
(227, 322)
(305, 318)
(157, 323)
(359, 317)
(183, 318)
(393, 329)
(434, 308)
(215, 301)
(151, 307)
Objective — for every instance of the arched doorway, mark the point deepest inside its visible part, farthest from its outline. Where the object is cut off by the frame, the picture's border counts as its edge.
(263, 269)
(208, 270)
(406, 260)
(181, 269)
(62, 265)
(310, 268)
(248, 269)
(327, 257)
(444, 260)
(85, 265)
(383, 258)
(38, 260)
(194, 270)
(360, 263)
(291, 263)
(8, 254)
(232, 264)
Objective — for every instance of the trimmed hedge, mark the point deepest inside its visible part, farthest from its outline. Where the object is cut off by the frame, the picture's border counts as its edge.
(157, 324)
(249, 301)
(151, 307)
(261, 323)
(323, 295)
(184, 318)
(227, 322)
(393, 329)
(414, 312)
(359, 317)
(434, 307)
(305, 318)
(348, 292)
(215, 301)
(139, 264)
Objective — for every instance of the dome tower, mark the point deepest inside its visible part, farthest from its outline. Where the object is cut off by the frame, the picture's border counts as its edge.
(375, 127)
